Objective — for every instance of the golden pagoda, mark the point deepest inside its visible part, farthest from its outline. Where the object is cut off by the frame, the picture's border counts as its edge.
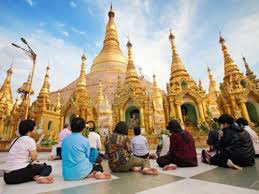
(187, 101)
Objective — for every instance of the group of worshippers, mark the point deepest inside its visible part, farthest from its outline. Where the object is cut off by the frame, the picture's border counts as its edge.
(232, 146)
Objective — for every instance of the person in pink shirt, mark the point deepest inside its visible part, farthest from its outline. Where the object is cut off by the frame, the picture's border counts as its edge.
(64, 133)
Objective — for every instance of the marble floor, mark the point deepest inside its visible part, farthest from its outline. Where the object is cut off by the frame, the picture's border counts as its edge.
(204, 179)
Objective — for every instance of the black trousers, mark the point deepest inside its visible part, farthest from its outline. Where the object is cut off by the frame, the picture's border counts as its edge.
(144, 157)
(27, 174)
(59, 153)
(97, 168)
(164, 160)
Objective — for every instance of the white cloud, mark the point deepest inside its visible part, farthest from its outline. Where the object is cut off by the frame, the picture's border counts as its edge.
(72, 4)
(78, 31)
(66, 34)
(29, 2)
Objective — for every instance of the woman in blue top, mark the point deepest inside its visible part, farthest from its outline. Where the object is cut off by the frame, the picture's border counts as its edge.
(77, 163)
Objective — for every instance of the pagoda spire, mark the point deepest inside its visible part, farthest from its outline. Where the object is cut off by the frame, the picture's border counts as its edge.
(177, 67)
(111, 53)
(212, 82)
(249, 72)
(45, 87)
(156, 92)
(81, 83)
(5, 91)
(100, 97)
(229, 66)
(58, 105)
(131, 73)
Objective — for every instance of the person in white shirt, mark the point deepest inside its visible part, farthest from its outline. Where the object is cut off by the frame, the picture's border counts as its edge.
(93, 137)
(56, 151)
(139, 144)
(242, 122)
(19, 164)
(94, 140)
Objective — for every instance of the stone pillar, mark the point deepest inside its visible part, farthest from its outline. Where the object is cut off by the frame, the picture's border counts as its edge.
(179, 112)
(121, 115)
(244, 111)
(201, 112)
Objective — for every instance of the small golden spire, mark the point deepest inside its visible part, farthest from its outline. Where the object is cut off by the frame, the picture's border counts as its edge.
(5, 91)
(156, 91)
(131, 73)
(111, 13)
(45, 87)
(175, 57)
(58, 105)
(100, 97)
(227, 57)
(212, 82)
(249, 72)
(82, 81)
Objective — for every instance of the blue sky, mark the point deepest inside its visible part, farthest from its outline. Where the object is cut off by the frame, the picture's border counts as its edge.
(60, 30)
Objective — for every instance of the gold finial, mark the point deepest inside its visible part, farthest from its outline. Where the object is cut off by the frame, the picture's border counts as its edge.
(82, 81)
(171, 36)
(111, 13)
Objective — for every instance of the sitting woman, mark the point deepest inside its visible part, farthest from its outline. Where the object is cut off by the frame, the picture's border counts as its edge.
(77, 162)
(120, 153)
(242, 122)
(22, 153)
(139, 144)
(182, 152)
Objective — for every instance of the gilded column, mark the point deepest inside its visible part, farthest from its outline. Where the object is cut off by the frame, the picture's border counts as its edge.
(201, 112)
(172, 108)
(179, 112)
(121, 115)
(244, 110)
(142, 119)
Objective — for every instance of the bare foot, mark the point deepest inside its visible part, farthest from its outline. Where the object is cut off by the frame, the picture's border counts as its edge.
(136, 169)
(50, 178)
(92, 175)
(43, 180)
(170, 167)
(150, 171)
(230, 164)
(107, 175)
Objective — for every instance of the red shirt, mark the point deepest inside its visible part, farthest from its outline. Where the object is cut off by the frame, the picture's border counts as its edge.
(183, 154)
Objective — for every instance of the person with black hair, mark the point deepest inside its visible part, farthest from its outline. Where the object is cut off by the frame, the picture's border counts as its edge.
(139, 144)
(78, 162)
(236, 146)
(182, 152)
(19, 165)
(120, 153)
(93, 137)
(242, 122)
